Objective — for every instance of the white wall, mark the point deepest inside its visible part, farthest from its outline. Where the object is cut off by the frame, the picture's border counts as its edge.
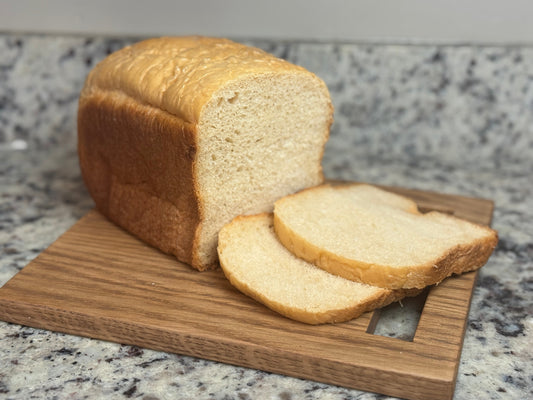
(435, 21)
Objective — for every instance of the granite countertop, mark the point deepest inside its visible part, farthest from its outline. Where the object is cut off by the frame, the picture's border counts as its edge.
(452, 119)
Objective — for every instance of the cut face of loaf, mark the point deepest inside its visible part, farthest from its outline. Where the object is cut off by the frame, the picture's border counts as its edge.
(373, 236)
(177, 136)
(257, 264)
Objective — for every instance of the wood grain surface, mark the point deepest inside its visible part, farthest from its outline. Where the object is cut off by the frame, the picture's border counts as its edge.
(100, 282)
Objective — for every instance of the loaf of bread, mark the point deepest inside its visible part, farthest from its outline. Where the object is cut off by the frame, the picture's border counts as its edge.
(369, 235)
(257, 264)
(177, 136)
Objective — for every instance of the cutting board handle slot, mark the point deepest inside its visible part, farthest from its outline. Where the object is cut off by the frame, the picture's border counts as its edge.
(399, 320)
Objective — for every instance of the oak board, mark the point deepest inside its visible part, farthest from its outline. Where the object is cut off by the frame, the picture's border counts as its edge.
(98, 281)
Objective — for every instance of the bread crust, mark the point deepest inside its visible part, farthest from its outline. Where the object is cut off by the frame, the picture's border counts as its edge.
(180, 74)
(137, 162)
(458, 260)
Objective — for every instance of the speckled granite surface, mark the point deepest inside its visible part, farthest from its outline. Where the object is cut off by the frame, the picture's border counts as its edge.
(450, 119)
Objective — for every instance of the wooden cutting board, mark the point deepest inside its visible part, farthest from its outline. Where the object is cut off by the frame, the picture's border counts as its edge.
(98, 281)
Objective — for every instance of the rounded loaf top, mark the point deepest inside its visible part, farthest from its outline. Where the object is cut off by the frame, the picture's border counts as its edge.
(180, 74)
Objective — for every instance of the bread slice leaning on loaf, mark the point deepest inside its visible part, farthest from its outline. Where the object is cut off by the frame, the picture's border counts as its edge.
(369, 235)
(258, 265)
(177, 136)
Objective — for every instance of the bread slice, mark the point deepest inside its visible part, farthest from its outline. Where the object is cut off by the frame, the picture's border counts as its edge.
(178, 135)
(257, 264)
(369, 235)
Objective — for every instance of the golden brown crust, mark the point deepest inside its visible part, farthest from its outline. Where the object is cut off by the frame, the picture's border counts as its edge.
(460, 259)
(137, 163)
(180, 74)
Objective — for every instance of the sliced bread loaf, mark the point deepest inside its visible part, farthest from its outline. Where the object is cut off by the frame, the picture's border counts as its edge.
(257, 264)
(179, 135)
(369, 235)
